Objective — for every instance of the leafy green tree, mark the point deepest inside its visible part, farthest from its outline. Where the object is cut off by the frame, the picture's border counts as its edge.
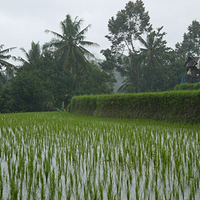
(190, 46)
(191, 40)
(24, 94)
(57, 84)
(96, 81)
(69, 46)
(174, 70)
(130, 24)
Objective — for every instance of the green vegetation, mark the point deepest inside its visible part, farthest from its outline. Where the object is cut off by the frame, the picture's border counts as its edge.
(57, 155)
(52, 73)
(179, 106)
(188, 86)
(148, 65)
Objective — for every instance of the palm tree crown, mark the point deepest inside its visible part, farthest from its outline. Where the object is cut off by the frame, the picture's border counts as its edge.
(154, 47)
(6, 69)
(4, 57)
(70, 45)
(33, 54)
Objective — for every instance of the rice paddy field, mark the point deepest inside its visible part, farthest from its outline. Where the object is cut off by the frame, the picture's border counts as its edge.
(58, 155)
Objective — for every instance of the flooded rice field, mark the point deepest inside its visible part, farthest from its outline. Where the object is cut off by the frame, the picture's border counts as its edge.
(63, 156)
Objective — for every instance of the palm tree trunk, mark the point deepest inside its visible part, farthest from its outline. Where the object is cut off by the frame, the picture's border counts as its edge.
(138, 79)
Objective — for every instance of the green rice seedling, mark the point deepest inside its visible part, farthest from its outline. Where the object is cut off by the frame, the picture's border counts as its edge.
(60, 190)
(193, 190)
(95, 196)
(182, 191)
(21, 190)
(34, 190)
(71, 180)
(29, 188)
(1, 184)
(68, 194)
(52, 188)
(42, 192)
(137, 196)
(165, 193)
(13, 189)
(109, 191)
(128, 190)
(86, 194)
(59, 177)
(146, 181)
(101, 190)
(157, 196)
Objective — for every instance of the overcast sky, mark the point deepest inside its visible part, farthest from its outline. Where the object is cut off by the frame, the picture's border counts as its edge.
(24, 21)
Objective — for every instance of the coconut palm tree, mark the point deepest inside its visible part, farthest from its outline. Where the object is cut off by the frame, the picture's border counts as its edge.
(131, 82)
(153, 53)
(6, 69)
(154, 46)
(70, 46)
(4, 57)
(33, 54)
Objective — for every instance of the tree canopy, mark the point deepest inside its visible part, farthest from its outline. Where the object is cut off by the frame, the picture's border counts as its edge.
(52, 73)
(191, 40)
(129, 23)
(70, 45)
(140, 53)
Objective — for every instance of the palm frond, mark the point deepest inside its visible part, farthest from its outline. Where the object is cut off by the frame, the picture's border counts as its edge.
(83, 31)
(26, 54)
(90, 44)
(3, 57)
(85, 52)
(7, 50)
(3, 63)
(21, 60)
(55, 34)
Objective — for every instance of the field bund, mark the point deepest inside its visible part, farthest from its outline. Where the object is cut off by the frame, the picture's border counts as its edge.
(176, 106)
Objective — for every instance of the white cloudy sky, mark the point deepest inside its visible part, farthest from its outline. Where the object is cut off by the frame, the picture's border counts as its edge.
(24, 21)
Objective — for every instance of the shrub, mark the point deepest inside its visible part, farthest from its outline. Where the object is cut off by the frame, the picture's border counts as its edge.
(187, 86)
(180, 106)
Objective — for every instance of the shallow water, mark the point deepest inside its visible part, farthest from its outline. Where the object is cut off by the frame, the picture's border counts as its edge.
(57, 156)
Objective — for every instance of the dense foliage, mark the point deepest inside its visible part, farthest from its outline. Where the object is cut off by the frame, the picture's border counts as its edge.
(140, 53)
(53, 73)
(187, 86)
(181, 106)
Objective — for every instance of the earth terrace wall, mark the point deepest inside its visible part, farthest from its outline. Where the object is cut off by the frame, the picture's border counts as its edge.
(179, 106)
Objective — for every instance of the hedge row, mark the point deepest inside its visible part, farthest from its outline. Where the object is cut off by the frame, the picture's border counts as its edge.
(187, 86)
(179, 106)
(83, 104)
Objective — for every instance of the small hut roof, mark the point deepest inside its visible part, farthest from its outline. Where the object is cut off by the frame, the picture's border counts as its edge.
(191, 61)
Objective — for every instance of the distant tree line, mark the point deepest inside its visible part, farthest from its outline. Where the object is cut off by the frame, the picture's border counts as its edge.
(52, 73)
(140, 53)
